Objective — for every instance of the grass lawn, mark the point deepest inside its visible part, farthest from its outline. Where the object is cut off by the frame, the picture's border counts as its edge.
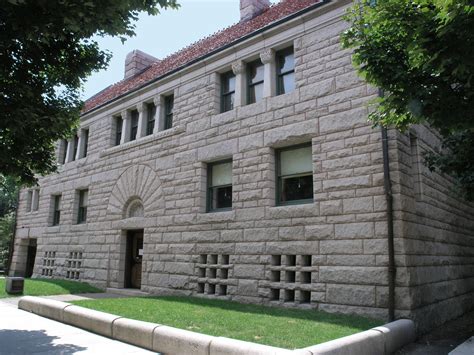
(286, 328)
(47, 287)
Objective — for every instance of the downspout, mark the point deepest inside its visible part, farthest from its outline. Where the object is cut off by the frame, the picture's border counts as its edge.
(12, 241)
(392, 270)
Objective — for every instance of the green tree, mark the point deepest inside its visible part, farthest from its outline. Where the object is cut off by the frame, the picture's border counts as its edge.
(46, 52)
(421, 54)
(7, 223)
(8, 204)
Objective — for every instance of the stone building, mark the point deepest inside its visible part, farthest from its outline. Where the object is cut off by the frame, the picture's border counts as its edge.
(243, 167)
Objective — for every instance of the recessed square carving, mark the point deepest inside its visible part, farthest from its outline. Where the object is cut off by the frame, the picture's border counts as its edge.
(276, 260)
(275, 276)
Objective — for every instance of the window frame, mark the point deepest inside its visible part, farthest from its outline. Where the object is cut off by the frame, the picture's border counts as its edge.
(29, 201)
(81, 208)
(150, 118)
(75, 142)
(256, 63)
(225, 77)
(56, 210)
(118, 129)
(134, 117)
(168, 111)
(281, 54)
(85, 137)
(65, 144)
(209, 186)
(278, 176)
(35, 200)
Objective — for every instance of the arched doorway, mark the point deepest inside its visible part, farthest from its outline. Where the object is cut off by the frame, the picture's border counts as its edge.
(135, 200)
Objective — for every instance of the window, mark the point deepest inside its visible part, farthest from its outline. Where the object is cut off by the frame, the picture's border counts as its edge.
(76, 145)
(82, 208)
(150, 121)
(29, 199)
(64, 146)
(228, 91)
(294, 175)
(118, 130)
(56, 209)
(285, 61)
(35, 201)
(254, 81)
(134, 125)
(219, 192)
(85, 137)
(169, 106)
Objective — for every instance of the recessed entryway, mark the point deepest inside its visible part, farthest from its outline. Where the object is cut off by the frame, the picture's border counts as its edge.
(133, 259)
(30, 258)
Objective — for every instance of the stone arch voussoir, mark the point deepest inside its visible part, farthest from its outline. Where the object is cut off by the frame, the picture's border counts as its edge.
(138, 182)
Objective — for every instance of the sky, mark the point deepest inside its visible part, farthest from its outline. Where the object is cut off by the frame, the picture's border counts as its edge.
(164, 34)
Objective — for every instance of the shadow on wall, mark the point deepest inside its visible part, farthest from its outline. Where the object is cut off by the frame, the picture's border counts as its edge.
(37, 341)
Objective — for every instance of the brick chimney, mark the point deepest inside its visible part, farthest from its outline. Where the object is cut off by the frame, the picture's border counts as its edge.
(251, 8)
(136, 61)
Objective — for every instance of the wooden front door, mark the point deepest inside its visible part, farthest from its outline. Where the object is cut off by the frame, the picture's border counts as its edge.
(134, 256)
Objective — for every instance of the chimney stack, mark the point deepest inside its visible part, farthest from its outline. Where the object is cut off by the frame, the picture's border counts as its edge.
(251, 8)
(136, 61)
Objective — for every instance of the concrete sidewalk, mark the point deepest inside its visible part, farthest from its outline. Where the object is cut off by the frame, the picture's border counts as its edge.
(25, 333)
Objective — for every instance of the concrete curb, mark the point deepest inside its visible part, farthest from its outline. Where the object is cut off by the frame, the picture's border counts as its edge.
(385, 339)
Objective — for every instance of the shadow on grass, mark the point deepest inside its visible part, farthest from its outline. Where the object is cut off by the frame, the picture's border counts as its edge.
(310, 314)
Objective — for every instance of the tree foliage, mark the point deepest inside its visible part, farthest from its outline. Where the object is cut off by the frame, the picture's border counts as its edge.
(46, 52)
(8, 204)
(7, 223)
(421, 53)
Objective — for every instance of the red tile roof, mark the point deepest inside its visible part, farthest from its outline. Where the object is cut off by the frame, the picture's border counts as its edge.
(197, 50)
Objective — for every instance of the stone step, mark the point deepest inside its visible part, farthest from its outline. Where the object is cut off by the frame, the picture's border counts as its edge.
(132, 292)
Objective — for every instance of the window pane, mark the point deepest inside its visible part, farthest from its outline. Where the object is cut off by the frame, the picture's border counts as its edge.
(221, 197)
(85, 136)
(287, 83)
(255, 72)
(297, 188)
(118, 129)
(286, 62)
(134, 125)
(65, 145)
(169, 104)
(83, 199)
(296, 161)
(57, 203)
(151, 112)
(258, 92)
(228, 102)
(76, 145)
(230, 84)
(221, 174)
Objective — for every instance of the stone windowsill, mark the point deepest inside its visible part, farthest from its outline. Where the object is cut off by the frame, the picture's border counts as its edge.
(144, 140)
(73, 164)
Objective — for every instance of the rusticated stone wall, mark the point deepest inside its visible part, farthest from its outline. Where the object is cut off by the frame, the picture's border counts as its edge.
(330, 254)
